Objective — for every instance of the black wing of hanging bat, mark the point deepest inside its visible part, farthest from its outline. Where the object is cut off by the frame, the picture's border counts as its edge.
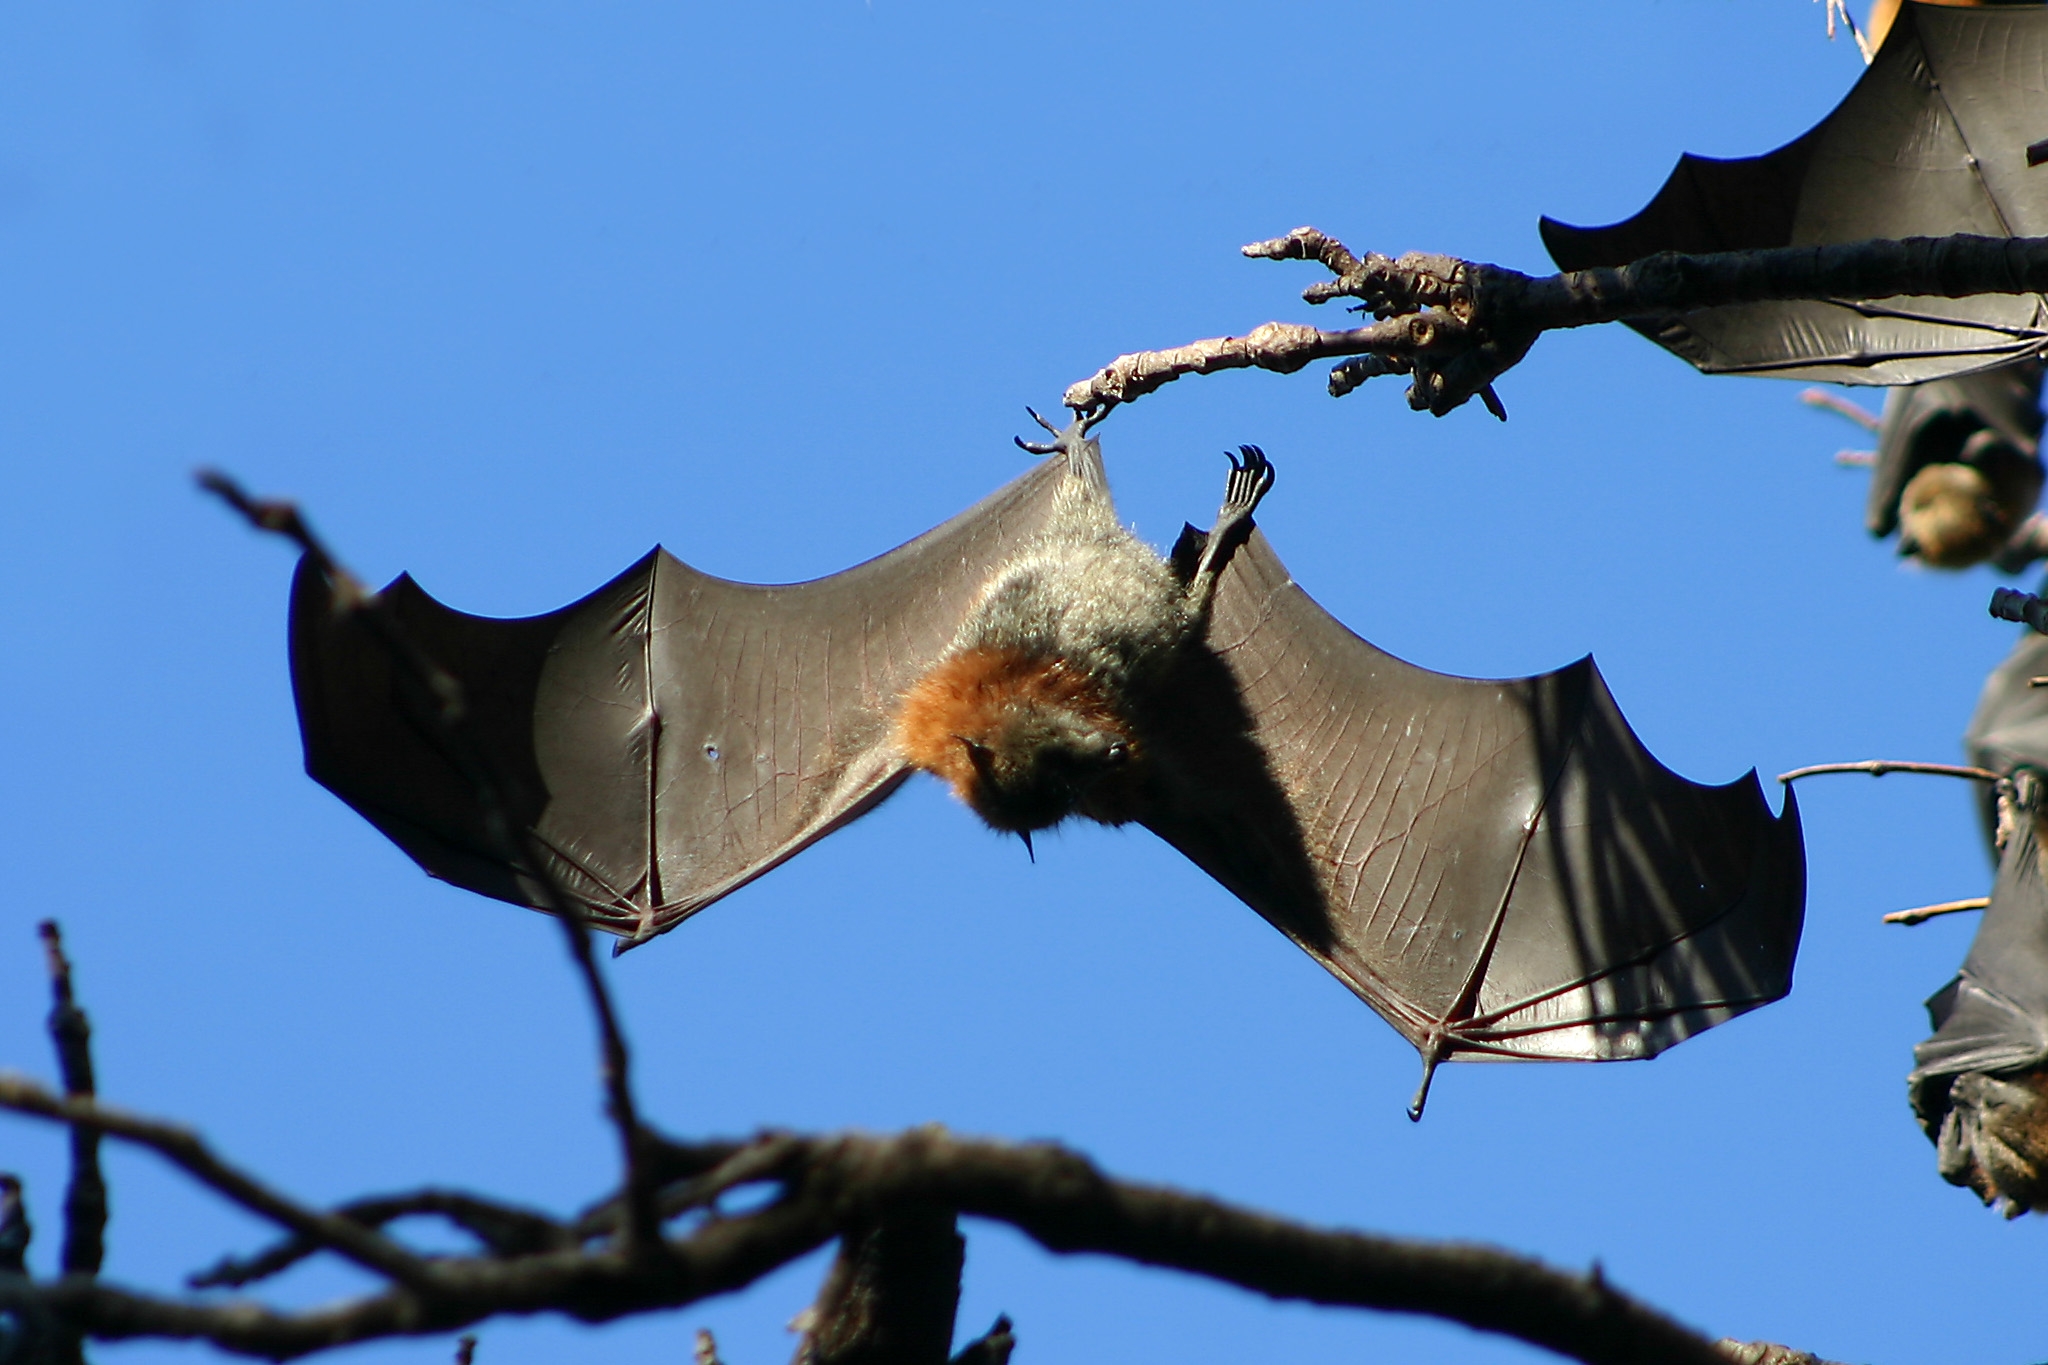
(1933, 140)
(1994, 1015)
(1500, 869)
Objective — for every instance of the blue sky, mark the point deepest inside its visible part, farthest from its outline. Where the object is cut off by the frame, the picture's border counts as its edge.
(506, 294)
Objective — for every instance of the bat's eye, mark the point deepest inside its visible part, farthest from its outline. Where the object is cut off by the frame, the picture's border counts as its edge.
(1117, 752)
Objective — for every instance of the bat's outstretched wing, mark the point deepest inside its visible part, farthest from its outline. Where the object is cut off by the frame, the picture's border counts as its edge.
(1932, 140)
(668, 738)
(1499, 868)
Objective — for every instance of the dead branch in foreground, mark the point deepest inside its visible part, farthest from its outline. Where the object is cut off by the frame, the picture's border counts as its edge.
(841, 1187)
(661, 1239)
(1456, 326)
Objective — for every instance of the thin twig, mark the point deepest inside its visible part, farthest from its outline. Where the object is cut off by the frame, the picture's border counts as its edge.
(503, 1230)
(186, 1151)
(85, 1199)
(1841, 407)
(1922, 913)
(515, 847)
(1878, 767)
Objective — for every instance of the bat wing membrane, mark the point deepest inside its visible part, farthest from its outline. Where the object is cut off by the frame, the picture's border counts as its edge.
(668, 738)
(1499, 868)
(1932, 140)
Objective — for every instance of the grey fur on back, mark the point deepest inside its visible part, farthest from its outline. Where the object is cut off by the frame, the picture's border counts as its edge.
(1085, 590)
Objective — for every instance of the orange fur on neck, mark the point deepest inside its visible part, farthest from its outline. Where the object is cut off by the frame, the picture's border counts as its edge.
(973, 694)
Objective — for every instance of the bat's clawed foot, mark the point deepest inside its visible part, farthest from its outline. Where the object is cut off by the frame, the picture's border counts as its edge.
(1251, 478)
(1067, 439)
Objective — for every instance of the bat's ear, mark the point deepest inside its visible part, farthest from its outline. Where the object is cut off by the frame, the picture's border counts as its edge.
(1187, 552)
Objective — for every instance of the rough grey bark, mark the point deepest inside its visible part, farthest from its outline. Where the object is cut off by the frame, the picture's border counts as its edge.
(890, 1296)
(1456, 326)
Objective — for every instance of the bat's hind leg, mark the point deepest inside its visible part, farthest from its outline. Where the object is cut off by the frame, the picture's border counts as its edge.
(1251, 478)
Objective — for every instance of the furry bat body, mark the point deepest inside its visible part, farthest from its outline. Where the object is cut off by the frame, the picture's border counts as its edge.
(1499, 868)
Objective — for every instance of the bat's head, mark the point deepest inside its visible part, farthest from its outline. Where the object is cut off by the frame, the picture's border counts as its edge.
(1949, 517)
(1953, 515)
(1991, 1135)
(1025, 739)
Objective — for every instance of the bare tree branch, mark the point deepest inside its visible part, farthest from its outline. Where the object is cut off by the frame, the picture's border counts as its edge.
(1456, 326)
(891, 1294)
(2009, 604)
(1878, 767)
(186, 1151)
(1920, 914)
(832, 1184)
(503, 1230)
(85, 1200)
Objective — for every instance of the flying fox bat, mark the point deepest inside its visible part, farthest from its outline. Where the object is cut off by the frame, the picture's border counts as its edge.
(1957, 469)
(1499, 868)
(1980, 1086)
(1942, 134)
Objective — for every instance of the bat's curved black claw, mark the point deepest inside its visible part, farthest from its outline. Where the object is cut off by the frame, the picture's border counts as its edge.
(1251, 478)
(1051, 447)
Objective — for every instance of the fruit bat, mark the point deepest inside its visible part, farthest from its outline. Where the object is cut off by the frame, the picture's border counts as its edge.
(1958, 471)
(1499, 868)
(1980, 1084)
(1944, 133)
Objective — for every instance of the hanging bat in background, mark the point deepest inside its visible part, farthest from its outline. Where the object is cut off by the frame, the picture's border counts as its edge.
(1499, 868)
(1941, 135)
(1957, 470)
(1980, 1086)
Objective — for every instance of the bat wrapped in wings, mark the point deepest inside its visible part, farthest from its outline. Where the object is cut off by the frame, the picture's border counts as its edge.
(1499, 868)
(1980, 1084)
